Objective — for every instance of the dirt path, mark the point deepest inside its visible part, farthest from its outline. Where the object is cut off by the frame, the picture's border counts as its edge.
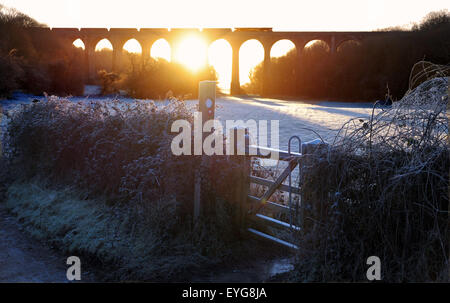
(254, 271)
(24, 259)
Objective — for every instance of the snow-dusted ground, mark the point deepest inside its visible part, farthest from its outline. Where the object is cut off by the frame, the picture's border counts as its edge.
(295, 117)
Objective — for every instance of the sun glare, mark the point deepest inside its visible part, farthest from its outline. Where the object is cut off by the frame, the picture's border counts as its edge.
(161, 49)
(315, 42)
(251, 54)
(103, 44)
(220, 57)
(191, 52)
(78, 43)
(281, 48)
(133, 46)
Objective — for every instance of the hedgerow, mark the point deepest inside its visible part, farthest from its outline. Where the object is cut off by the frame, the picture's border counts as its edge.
(385, 193)
(114, 162)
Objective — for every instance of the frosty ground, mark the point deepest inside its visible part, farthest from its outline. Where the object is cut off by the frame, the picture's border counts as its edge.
(305, 119)
(297, 117)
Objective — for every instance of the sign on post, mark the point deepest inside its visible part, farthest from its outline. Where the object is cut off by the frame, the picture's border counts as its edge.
(207, 99)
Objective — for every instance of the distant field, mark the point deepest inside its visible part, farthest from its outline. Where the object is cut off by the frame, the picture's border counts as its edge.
(296, 117)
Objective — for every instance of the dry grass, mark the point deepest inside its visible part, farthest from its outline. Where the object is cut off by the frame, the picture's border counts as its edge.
(99, 178)
(385, 194)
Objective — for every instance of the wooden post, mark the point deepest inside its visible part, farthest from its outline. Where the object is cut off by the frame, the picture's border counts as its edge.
(197, 194)
(207, 99)
(311, 150)
(243, 179)
(207, 105)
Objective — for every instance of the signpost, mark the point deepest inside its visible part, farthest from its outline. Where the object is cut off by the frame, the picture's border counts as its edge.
(207, 105)
(207, 99)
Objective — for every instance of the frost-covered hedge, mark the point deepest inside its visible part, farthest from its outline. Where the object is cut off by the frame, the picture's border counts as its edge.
(385, 194)
(118, 155)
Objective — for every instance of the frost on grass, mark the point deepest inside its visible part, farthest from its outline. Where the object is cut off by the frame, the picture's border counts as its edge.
(110, 187)
(385, 194)
(126, 243)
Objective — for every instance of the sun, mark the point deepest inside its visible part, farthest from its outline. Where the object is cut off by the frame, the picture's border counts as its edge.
(192, 52)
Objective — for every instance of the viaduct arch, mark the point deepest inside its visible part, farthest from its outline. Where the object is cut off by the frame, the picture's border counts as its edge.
(235, 37)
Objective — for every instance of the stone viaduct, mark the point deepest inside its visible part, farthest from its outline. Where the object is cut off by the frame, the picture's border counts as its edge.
(235, 37)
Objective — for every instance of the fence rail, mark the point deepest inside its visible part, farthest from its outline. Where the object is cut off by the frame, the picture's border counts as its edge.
(265, 182)
(266, 152)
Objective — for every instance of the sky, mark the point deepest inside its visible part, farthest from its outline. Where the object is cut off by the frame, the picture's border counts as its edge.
(317, 15)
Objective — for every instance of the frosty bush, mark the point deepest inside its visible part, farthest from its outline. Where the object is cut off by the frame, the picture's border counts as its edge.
(119, 154)
(121, 150)
(385, 195)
